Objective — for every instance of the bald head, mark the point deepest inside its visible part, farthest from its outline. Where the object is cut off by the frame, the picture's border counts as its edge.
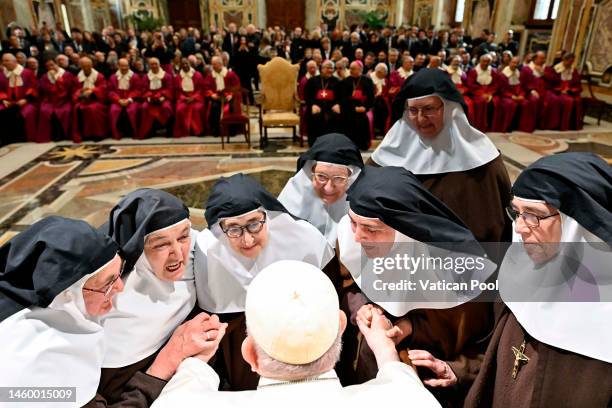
(124, 65)
(539, 58)
(154, 65)
(355, 69)
(485, 60)
(86, 65)
(9, 61)
(217, 63)
(311, 67)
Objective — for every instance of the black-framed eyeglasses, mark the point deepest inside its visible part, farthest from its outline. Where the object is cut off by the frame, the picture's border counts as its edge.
(531, 220)
(426, 111)
(236, 231)
(324, 178)
(106, 290)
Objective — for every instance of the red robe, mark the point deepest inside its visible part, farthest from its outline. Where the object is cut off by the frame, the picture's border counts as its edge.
(478, 93)
(547, 104)
(396, 82)
(55, 99)
(189, 115)
(459, 80)
(568, 91)
(213, 114)
(382, 107)
(132, 110)
(300, 91)
(517, 103)
(154, 109)
(90, 117)
(29, 91)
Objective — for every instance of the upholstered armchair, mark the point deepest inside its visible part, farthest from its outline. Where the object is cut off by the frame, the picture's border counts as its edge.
(277, 107)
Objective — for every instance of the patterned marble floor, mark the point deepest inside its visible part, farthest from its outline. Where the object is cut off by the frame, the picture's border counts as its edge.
(85, 181)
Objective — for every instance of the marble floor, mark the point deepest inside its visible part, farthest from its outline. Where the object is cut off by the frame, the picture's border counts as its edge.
(85, 181)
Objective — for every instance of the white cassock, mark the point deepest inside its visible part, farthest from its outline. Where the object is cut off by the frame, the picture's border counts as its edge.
(196, 384)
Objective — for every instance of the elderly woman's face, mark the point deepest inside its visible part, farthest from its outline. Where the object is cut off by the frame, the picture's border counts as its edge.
(249, 244)
(329, 182)
(540, 235)
(426, 115)
(168, 251)
(99, 290)
(376, 237)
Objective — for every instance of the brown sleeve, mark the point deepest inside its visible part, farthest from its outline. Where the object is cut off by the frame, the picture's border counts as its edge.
(139, 392)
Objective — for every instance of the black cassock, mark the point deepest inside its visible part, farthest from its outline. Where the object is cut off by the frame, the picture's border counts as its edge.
(355, 92)
(322, 92)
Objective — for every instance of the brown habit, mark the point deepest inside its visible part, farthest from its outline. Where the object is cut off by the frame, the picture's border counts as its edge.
(478, 196)
(551, 378)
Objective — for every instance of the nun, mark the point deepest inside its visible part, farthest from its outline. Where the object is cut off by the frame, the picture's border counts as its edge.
(57, 278)
(317, 192)
(248, 229)
(457, 163)
(393, 216)
(143, 333)
(552, 337)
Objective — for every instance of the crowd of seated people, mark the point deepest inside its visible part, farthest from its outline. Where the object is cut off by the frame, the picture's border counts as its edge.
(84, 85)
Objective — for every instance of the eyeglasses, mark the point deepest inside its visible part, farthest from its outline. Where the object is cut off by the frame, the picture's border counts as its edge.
(323, 178)
(426, 111)
(106, 290)
(531, 220)
(236, 231)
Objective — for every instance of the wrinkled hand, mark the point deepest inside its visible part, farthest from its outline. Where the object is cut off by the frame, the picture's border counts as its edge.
(315, 109)
(212, 344)
(215, 97)
(336, 108)
(401, 330)
(21, 102)
(161, 99)
(375, 334)
(535, 93)
(445, 377)
(196, 336)
(6, 103)
(360, 109)
(123, 102)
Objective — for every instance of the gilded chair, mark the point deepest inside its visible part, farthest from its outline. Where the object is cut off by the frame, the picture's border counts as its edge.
(277, 107)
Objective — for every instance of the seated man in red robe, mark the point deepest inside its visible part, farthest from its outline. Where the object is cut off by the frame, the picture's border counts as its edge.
(124, 92)
(482, 83)
(547, 103)
(90, 117)
(18, 95)
(157, 109)
(513, 89)
(189, 87)
(459, 78)
(55, 92)
(400, 75)
(567, 87)
(382, 105)
(218, 86)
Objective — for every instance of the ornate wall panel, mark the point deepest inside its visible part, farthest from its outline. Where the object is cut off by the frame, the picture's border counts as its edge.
(241, 12)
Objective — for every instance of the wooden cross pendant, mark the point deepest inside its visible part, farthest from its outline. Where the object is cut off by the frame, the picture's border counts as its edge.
(519, 357)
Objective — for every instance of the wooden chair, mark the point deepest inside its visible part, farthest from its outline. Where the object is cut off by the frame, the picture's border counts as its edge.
(592, 101)
(236, 113)
(277, 108)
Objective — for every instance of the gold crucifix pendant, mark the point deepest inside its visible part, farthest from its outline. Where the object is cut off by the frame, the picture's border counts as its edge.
(519, 357)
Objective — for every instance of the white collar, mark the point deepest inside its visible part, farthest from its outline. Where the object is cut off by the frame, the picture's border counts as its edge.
(328, 376)
(537, 71)
(403, 73)
(88, 81)
(128, 75)
(458, 146)
(484, 77)
(160, 74)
